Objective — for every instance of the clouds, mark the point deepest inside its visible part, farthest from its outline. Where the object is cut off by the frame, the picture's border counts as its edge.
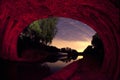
(72, 30)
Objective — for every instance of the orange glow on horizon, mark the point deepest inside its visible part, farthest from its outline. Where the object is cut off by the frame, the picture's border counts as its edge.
(77, 45)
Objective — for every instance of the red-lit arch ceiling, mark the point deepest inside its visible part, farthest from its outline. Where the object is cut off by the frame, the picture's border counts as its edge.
(101, 15)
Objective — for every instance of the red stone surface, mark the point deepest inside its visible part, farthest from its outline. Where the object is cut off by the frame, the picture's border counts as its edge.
(102, 15)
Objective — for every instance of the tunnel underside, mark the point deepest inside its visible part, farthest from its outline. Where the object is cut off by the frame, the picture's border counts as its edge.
(102, 16)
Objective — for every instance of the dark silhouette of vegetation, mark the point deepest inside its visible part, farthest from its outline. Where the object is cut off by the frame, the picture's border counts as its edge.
(71, 54)
(41, 31)
(63, 54)
(96, 47)
(96, 50)
(38, 33)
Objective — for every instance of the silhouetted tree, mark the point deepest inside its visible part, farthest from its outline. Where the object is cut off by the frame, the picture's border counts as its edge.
(96, 50)
(37, 34)
(71, 54)
(41, 31)
(45, 29)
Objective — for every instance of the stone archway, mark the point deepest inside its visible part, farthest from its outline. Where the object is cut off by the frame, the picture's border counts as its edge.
(102, 16)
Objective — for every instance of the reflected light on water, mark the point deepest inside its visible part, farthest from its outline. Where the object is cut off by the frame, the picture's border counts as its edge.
(73, 34)
(59, 64)
(79, 57)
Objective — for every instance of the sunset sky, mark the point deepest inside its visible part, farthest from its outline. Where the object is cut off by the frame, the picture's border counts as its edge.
(72, 33)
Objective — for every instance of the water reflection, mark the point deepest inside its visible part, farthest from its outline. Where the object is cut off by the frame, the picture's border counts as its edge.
(59, 64)
(55, 60)
(54, 43)
(29, 71)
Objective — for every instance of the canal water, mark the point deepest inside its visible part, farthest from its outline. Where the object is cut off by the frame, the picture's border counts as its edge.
(29, 71)
(56, 66)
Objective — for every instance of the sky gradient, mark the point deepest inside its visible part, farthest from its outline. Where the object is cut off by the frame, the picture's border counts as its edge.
(72, 33)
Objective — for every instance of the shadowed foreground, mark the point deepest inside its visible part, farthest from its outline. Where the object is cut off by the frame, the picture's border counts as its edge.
(23, 71)
(78, 70)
